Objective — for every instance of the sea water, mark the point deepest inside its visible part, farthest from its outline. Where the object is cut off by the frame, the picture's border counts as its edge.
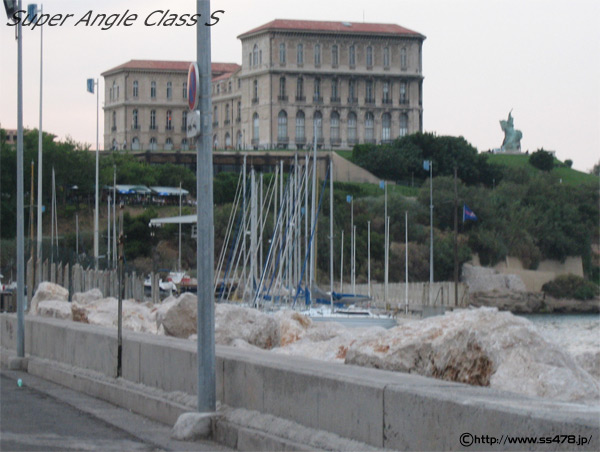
(576, 333)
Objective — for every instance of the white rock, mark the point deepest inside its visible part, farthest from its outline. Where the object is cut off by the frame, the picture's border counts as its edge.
(104, 312)
(88, 297)
(179, 318)
(54, 308)
(192, 426)
(47, 291)
(254, 327)
(482, 347)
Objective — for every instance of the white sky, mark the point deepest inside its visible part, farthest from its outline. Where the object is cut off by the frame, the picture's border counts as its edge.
(481, 59)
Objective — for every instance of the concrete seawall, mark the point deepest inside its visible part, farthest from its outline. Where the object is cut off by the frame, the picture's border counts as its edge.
(379, 408)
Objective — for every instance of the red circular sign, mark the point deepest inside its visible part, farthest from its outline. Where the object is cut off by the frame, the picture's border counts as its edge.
(193, 84)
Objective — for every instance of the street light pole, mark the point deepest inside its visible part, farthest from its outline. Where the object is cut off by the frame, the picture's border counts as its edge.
(205, 242)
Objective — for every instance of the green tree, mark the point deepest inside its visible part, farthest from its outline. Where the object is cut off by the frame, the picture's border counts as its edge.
(542, 160)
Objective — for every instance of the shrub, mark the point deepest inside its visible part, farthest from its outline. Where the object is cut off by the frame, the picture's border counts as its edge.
(570, 286)
(542, 160)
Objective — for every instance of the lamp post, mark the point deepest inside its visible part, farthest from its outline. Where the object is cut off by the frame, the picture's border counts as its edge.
(11, 7)
(91, 84)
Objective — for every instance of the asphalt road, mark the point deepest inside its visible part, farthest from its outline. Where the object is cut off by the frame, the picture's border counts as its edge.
(42, 416)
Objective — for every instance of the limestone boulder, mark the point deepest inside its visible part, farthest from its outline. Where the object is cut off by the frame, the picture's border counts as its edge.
(105, 312)
(481, 347)
(254, 327)
(88, 297)
(47, 291)
(178, 317)
(54, 308)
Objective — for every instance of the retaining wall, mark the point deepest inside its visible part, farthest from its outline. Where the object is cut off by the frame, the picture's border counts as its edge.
(384, 409)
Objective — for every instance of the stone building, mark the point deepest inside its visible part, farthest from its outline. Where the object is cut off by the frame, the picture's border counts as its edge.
(349, 82)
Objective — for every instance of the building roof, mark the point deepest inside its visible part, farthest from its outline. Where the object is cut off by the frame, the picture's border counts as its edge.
(218, 69)
(332, 27)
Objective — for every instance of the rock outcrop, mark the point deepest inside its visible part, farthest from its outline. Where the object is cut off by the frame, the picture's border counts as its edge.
(47, 291)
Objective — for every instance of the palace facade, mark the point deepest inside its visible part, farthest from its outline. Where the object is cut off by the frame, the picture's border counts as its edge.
(343, 83)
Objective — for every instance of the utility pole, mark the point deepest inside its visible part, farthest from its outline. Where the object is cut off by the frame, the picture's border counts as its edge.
(455, 239)
(205, 242)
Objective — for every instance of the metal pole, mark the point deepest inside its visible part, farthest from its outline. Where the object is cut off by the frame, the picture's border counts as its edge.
(386, 248)
(114, 206)
(331, 231)
(455, 239)
(342, 263)
(39, 188)
(97, 208)
(108, 256)
(205, 243)
(20, 219)
(121, 291)
(77, 236)
(406, 261)
(179, 253)
(352, 242)
(430, 228)
(369, 258)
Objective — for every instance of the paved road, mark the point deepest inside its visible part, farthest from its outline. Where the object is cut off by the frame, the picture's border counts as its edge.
(41, 416)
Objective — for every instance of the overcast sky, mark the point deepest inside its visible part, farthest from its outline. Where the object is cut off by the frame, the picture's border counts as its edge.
(481, 58)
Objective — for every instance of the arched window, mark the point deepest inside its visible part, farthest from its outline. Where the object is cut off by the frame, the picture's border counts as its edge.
(386, 127)
(153, 144)
(169, 90)
(255, 128)
(369, 127)
(369, 56)
(352, 137)
(282, 53)
(135, 144)
(318, 124)
(168, 144)
(335, 127)
(282, 132)
(300, 89)
(152, 119)
(184, 144)
(215, 142)
(169, 123)
(238, 140)
(227, 140)
(300, 133)
(114, 145)
(282, 88)
(135, 88)
(403, 124)
(255, 55)
(300, 54)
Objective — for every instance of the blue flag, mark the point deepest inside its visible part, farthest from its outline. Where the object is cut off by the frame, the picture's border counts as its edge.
(31, 11)
(382, 184)
(468, 214)
(90, 85)
(426, 164)
(349, 198)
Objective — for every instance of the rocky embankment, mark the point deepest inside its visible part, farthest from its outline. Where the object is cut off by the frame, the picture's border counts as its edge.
(479, 346)
(488, 288)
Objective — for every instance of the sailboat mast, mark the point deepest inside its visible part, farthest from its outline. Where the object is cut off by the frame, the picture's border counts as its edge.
(331, 230)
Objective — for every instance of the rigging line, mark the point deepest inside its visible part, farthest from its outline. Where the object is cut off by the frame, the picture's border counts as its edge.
(314, 227)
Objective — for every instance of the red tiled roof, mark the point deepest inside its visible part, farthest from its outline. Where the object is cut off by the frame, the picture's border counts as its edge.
(160, 65)
(332, 27)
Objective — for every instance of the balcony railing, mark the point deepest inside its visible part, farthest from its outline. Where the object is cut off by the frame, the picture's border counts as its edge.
(369, 100)
(352, 100)
(282, 98)
(336, 141)
(335, 100)
(215, 124)
(404, 101)
(135, 127)
(227, 122)
(254, 100)
(317, 99)
(300, 140)
(386, 101)
(300, 98)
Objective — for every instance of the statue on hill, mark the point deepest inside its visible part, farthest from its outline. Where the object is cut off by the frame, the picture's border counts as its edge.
(512, 137)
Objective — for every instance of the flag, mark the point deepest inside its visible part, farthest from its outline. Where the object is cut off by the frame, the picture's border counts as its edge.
(468, 214)
(31, 11)
(349, 198)
(90, 85)
(382, 184)
(426, 164)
